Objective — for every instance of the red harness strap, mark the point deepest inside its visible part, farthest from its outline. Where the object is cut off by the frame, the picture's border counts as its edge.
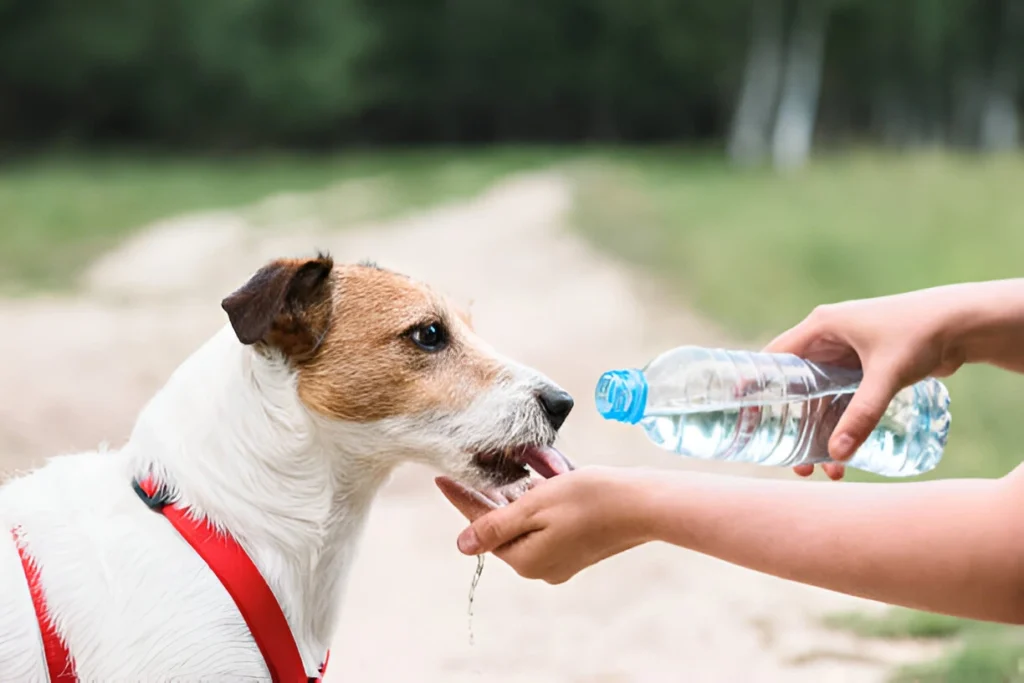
(58, 660)
(243, 581)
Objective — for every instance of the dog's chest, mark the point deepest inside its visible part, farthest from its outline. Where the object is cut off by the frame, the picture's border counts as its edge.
(131, 598)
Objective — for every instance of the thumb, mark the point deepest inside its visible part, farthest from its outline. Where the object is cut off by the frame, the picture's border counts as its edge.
(495, 529)
(861, 416)
(795, 340)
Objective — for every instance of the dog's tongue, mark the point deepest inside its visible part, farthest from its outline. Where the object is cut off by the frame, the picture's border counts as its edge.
(546, 461)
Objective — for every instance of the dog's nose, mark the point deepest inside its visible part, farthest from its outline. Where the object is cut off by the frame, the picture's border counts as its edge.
(557, 405)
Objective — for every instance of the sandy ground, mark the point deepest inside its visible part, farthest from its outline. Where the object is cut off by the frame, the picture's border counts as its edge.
(77, 370)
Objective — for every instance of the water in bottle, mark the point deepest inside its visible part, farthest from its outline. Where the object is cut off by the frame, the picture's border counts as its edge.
(770, 409)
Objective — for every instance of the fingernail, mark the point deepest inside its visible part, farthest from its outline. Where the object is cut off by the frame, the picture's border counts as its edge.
(469, 544)
(844, 447)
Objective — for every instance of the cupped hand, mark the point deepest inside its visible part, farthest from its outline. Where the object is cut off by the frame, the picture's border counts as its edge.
(556, 528)
(896, 340)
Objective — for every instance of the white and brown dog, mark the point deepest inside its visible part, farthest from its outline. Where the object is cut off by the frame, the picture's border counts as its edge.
(277, 433)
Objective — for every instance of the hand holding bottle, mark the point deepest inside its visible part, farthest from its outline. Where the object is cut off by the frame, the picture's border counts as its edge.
(898, 340)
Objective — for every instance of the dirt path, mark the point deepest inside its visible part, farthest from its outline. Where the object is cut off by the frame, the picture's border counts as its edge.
(76, 371)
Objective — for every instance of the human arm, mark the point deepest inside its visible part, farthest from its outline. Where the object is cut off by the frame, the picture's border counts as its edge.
(901, 339)
(988, 322)
(954, 546)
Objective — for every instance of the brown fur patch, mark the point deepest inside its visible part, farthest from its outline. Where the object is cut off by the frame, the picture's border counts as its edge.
(287, 304)
(367, 368)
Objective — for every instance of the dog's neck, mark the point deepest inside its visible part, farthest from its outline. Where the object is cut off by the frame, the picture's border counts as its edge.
(231, 439)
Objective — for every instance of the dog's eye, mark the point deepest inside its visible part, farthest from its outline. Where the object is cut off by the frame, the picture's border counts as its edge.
(430, 338)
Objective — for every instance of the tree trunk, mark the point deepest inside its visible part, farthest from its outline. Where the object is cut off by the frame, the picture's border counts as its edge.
(446, 107)
(1000, 127)
(890, 117)
(749, 137)
(794, 125)
(969, 96)
(601, 110)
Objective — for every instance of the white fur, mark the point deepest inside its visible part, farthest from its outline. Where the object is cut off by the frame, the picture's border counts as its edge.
(230, 436)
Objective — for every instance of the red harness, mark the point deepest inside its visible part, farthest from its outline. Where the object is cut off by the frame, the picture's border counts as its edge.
(58, 661)
(236, 571)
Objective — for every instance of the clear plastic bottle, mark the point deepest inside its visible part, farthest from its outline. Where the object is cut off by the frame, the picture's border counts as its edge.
(770, 409)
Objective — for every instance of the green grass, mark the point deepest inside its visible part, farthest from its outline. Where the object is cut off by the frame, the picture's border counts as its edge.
(901, 623)
(757, 251)
(990, 659)
(983, 653)
(57, 214)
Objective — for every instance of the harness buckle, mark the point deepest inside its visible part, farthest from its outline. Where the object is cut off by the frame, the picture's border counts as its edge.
(156, 501)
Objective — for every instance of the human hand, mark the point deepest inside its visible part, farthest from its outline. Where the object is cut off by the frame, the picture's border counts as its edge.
(559, 527)
(896, 340)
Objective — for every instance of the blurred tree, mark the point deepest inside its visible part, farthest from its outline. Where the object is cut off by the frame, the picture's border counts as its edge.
(749, 137)
(932, 69)
(801, 84)
(234, 71)
(758, 76)
(1000, 128)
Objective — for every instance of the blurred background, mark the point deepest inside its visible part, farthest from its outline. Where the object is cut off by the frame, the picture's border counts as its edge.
(699, 172)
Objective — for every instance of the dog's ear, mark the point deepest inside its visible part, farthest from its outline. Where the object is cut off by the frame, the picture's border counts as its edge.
(287, 304)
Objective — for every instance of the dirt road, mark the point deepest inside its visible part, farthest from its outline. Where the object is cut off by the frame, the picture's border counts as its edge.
(75, 372)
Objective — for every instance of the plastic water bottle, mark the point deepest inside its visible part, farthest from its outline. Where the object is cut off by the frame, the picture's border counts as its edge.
(770, 409)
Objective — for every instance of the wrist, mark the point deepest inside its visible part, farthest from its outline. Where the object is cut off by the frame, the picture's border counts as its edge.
(647, 497)
(984, 322)
(632, 505)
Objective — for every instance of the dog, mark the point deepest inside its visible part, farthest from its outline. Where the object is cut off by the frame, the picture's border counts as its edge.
(275, 434)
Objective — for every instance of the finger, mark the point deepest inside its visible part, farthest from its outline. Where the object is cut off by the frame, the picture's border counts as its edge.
(497, 528)
(517, 491)
(494, 495)
(804, 470)
(866, 408)
(795, 340)
(543, 555)
(834, 470)
(472, 504)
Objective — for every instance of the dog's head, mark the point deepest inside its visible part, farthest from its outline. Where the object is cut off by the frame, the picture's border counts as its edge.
(377, 350)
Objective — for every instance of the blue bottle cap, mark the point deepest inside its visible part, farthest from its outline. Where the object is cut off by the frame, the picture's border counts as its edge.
(621, 395)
